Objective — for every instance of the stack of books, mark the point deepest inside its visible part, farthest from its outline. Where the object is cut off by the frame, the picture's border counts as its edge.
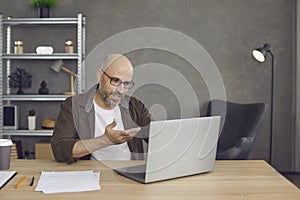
(14, 152)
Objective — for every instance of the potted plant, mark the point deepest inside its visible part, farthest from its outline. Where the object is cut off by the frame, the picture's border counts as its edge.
(43, 7)
(31, 119)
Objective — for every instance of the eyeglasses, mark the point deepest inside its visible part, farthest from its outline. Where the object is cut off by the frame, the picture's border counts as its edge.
(116, 81)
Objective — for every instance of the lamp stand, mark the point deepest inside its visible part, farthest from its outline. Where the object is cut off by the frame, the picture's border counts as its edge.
(72, 92)
(260, 55)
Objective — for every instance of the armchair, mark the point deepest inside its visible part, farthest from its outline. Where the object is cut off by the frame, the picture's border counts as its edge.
(238, 129)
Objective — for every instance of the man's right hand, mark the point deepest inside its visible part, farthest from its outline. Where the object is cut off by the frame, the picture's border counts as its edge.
(119, 136)
(110, 137)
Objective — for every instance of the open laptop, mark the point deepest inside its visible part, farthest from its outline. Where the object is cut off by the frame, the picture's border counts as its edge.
(177, 148)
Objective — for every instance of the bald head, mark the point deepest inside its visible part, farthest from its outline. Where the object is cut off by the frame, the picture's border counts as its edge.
(116, 61)
(117, 65)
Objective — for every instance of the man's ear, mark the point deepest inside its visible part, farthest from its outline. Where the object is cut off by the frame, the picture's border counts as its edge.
(99, 75)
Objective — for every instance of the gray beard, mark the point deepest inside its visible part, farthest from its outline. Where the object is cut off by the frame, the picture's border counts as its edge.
(110, 103)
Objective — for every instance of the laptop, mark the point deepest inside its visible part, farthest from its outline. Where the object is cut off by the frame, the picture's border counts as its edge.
(177, 148)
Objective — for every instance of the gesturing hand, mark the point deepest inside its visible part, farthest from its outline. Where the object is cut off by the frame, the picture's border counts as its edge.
(119, 136)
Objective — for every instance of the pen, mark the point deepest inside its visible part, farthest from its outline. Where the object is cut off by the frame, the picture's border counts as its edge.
(32, 181)
(20, 182)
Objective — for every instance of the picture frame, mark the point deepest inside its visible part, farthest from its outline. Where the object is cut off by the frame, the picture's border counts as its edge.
(10, 117)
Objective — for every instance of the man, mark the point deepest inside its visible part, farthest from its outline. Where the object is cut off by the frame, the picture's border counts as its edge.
(103, 122)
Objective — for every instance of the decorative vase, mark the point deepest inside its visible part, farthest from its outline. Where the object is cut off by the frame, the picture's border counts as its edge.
(31, 122)
(43, 12)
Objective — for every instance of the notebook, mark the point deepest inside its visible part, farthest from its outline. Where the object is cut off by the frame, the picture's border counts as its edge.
(177, 148)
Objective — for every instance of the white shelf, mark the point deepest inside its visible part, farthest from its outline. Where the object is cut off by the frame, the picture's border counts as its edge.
(40, 21)
(34, 97)
(34, 56)
(46, 133)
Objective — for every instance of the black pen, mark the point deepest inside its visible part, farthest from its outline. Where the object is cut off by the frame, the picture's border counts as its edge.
(32, 181)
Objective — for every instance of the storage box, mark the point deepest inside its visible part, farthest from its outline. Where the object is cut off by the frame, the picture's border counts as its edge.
(43, 151)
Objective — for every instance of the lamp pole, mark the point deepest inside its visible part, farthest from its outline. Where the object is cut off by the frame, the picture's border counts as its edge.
(260, 55)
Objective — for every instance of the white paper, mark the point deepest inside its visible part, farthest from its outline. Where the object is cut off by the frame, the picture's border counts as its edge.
(68, 181)
(5, 176)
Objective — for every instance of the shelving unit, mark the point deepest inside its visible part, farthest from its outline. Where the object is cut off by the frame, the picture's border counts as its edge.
(7, 56)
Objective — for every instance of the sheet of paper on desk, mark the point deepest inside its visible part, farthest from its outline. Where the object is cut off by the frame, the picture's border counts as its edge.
(5, 176)
(68, 181)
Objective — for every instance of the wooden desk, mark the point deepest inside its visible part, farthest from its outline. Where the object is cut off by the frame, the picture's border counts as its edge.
(230, 180)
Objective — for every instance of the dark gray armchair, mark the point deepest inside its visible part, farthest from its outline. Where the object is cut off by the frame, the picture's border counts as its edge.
(239, 124)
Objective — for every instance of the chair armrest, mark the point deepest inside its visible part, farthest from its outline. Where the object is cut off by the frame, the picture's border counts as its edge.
(240, 150)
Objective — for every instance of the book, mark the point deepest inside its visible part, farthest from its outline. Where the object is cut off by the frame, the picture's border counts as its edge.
(5, 177)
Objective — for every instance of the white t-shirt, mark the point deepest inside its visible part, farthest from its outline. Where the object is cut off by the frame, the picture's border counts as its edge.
(102, 119)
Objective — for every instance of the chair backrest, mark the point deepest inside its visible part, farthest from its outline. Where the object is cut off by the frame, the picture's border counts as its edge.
(239, 124)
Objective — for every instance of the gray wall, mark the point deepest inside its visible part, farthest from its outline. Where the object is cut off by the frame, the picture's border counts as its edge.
(297, 120)
(228, 30)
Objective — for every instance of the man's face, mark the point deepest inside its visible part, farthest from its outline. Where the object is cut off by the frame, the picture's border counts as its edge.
(110, 91)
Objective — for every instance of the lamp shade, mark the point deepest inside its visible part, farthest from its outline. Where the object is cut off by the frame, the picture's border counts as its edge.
(260, 54)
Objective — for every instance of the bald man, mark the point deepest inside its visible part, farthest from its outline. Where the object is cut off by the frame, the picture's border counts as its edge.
(103, 123)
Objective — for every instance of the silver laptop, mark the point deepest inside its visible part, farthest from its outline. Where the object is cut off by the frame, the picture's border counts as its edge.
(177, 148)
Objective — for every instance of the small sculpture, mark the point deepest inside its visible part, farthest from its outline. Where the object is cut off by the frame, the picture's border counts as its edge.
(43, 89)
(20, 79)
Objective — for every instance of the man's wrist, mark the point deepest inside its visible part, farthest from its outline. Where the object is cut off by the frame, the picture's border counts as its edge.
(97, 143)
(104, 140)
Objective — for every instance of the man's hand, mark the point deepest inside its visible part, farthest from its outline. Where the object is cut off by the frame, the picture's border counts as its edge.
(119, 136)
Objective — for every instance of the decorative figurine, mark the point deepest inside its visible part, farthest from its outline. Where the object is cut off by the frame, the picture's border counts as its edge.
(20, 79)
(69, 46)
(18, 47)
(43, 89)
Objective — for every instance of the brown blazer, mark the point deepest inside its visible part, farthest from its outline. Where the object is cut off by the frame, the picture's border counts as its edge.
(76, 120)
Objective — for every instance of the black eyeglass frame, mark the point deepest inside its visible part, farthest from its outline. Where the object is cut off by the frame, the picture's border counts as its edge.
(117, 81)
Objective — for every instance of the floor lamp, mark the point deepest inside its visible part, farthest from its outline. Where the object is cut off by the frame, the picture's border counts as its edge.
(57, 67)
(260, 55)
